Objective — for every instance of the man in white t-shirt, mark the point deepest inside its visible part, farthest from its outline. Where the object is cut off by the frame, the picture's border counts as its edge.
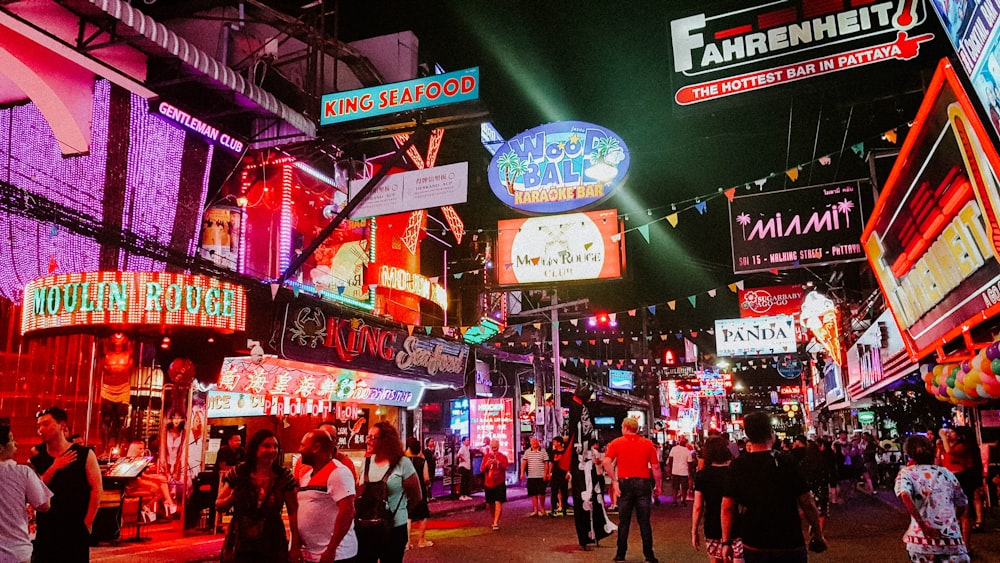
(679, 461)
(326, 502)
(464, 462)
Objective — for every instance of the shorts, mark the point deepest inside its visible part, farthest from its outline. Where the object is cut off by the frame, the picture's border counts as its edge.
(714, 548)
(536, 486)
(496, 494)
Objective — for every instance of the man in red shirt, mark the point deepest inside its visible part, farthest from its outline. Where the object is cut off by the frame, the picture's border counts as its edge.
(635, 477)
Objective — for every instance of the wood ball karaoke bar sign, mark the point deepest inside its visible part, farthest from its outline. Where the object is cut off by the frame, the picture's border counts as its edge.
(132, 298)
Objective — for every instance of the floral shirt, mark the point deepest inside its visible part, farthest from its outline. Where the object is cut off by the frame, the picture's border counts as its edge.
(935, 493)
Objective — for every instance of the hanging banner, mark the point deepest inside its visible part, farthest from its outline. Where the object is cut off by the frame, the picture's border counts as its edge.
(934, 234)
(724, 52)
(797, 228)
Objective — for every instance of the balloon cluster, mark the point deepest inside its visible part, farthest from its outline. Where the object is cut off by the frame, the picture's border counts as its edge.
(967, 383)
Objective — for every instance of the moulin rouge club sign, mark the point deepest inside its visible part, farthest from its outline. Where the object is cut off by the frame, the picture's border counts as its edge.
(558, 167)
(314, 334)
(132, 298)
(797, 228)
(716, 55)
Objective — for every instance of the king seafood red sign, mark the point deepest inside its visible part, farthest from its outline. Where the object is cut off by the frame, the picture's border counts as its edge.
(748, 48)
(318, 335)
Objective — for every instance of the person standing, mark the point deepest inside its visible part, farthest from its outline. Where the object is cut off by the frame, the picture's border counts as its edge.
(385, 462)
(430, 454)
(72, 474)
(635, 476)
(495, 481)
(421, 512)
(464, 461)
(679, 461)
(231, 454)
(257, 490)
(18, 486)
(326, 503)
(766, 490)
(589, 515)
(934, 500)
(709, 484)
(558, 477)
(961, 456)
(535, 465)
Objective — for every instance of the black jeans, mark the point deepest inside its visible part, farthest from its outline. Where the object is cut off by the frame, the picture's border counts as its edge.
(559, 485)
(465, 481)
(636, 495)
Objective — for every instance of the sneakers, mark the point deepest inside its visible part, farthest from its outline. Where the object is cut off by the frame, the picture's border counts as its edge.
(465, 497)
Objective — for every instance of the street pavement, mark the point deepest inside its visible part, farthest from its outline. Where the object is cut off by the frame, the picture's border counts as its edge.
(862, 530)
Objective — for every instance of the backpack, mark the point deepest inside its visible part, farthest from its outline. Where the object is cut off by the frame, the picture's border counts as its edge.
(371, 507)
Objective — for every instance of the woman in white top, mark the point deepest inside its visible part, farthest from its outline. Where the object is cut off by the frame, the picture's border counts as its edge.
(385, 453)
(19, 485)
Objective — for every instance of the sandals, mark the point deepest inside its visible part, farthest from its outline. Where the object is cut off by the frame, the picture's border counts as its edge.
(496, 527)
(426, 543)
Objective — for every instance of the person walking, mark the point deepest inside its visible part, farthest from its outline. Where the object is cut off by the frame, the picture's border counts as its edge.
(820, 473)
(257, 490)
(709, 484)
(679, 460)
(464, 462)
(71, 472)
(494, 468)
(934, 500)
(635, 476)
(535, 465)
(961, 457)
(18, 486)
(421, 512)
(766, 490)
(385, 457)
(558, 477)
(325, 496)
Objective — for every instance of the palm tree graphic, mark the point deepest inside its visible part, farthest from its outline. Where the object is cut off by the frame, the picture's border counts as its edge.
(511, 166)
(845, 206)
(743, 219)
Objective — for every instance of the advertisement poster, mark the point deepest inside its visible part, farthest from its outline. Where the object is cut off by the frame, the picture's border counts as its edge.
(771, 300)
(933, 237)
(558, 167)
(797, 228)
(413, 189)
(557, 248)
(755, 336)
(493, 418)
(733, 48)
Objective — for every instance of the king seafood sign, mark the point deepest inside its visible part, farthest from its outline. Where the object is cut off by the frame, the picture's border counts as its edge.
(318, 335)
(748, 48)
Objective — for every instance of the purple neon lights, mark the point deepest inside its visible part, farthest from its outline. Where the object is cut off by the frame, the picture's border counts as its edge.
(30, 158)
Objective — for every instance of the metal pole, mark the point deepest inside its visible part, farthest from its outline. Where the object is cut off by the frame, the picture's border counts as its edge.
(556, 379)
(90, 392)
(444, 281)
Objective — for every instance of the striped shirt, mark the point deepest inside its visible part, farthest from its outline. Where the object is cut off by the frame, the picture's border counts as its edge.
(535, 461)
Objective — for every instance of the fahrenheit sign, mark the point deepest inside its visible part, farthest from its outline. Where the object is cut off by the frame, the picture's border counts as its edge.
(128, 298)
(440, 89)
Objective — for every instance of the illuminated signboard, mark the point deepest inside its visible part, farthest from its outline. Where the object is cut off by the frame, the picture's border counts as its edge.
(748, 48)
(971, 25)
(620, 379)
(932, 236)
(273, 377)
(872, 355)
(436, 90)
(798, 228)
(192, 123)
(132, 298)
(397, 278)
(639, 416)
(577, 246)
(414, 189)
(755, 336)
(558, 167)
(772, 300)
(319, 335)
(492, 418)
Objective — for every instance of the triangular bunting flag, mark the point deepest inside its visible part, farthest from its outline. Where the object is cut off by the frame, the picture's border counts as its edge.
(825, 160)
(711, 293)
(694, 334)
(631, 312)
(701, 206)
(562, 361)
(732, 287)
(564, 342)
(614, 318)
(672, 305)
(274, 286)
(711, 331)
(458, 275)
(890, 136)
(435, 279)
(518, 328)
(858, 149)
(792, 173)
(672, 219)
(574, 321)
(593, 342)
(693, 299)
(579, 342)
(730, 194)
(644, 231)
(607, 340)
(409, 329)
(340, 289)
(428, 329)
(295, 290)
(663, 337)
(555, 324)
(652, 309)
(538, 326)
(739, 284)
(760, 183)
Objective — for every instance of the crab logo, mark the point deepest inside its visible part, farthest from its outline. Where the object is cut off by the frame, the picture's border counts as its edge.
(309, 327)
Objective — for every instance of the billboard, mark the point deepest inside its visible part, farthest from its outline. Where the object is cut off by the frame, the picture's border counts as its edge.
(735, 48)
(755, 336)
(436, 90)
(621, 379)
(934, 233)
(797, 228)
(971, 25)
(493, 418)
(558, 167)
(558, 248)
(412, 190)
(771, 300)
